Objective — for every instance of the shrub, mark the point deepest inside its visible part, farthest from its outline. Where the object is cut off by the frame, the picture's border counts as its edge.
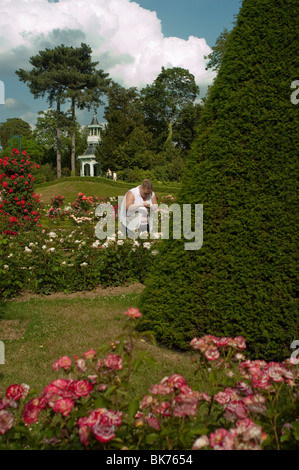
(242, 169)
(19, 203)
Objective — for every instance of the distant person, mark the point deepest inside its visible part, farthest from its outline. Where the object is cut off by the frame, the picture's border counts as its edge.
(135, 209)
(114, 176)
(109, 174)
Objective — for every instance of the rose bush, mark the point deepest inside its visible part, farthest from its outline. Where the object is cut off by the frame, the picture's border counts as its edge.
(18, 202)
(72, 260)
(246, 405)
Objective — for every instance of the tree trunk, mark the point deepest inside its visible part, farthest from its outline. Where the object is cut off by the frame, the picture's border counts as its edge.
(73, 154)
(58, 134)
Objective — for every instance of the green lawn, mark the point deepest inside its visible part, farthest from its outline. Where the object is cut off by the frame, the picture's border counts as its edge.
(70, 187)
(37, 332)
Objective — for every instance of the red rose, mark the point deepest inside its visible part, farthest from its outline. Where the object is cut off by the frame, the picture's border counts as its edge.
(81, 388)
(14, 391)
(113, 361)
(63, 406)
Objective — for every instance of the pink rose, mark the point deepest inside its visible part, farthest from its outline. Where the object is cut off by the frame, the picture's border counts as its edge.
(64, 406)
(89, 354)
(113, 361)
(212, 353)
(64, 362)
(6, 421)
(159, 389)
(31, 411)
(201, 442)
(103, 433)
(81, 388)
(14, 391)
(133, 313)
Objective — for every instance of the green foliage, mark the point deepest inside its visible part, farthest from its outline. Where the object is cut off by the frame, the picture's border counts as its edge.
(65, 73)
(19, 203)
(215, 58)
(243, 170)
(173, 90)
(13, 127)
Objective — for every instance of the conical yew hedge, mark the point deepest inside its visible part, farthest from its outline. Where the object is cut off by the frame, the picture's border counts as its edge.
(243, 169)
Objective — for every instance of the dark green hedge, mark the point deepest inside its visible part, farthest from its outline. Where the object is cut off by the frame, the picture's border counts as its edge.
(243, 169)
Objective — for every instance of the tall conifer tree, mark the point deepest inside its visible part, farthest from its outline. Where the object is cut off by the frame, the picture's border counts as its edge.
(243, 170)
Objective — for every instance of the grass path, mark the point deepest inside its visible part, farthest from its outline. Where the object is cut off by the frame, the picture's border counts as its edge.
(38, 331)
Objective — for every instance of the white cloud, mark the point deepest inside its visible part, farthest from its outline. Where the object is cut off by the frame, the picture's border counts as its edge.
(12, 105)
(126, 38)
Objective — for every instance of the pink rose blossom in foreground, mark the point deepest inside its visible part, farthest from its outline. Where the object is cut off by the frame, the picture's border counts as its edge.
(212, 353)
(160, 389)
(245, 436)
(64, 362)
(101, 422)
(153, 422)
(89, 354)
(64, 406)
(103, 433)
(81, 365)
(81, 388)
(184, 409)
(201, 442)
(133, 313)
(14, 391)
(6, 421)
(31, 411)
(175, 380)
(113, 361)
(235, 410)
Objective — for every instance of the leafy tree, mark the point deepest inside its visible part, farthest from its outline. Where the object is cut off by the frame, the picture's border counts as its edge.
(65, 73)
(164, 100)
(215, 57)
(242, 168)
(135, 152)
(46, 136)
(123, 115)
(50, 76)
(86, 89)
(13, 126)
(185, 130)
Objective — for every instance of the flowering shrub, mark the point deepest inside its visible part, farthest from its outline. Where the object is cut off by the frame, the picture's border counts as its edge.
(73, 260)
(18, 202)
(247, 404)
(170, 199)
(56, 207)
(86, 203)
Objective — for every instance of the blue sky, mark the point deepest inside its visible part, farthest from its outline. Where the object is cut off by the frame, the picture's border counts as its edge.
(132, 40)
(200, 18)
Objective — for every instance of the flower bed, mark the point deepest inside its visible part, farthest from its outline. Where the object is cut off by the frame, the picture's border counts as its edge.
(248, 405)
(71, 258)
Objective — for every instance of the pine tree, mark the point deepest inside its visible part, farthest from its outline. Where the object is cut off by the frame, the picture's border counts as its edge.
(242, 169)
